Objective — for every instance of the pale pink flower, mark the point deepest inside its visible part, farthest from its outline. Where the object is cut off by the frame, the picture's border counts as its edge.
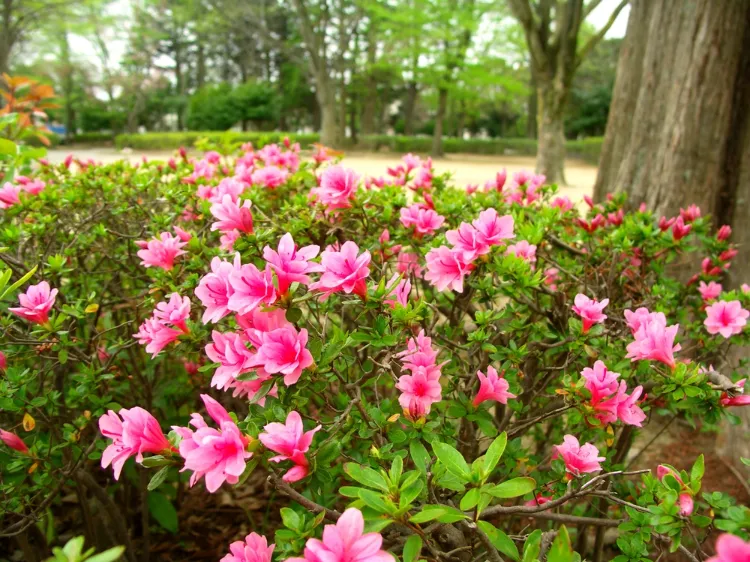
(251, 288)
(136, 433)
(284, 350)
(422, 387)
(291, 442)
(218, 454)
(36, 303)
(155, 336)
(260, 321)
(161, 251)
(253, 549)
(590, 310)
(420, 344)
(13, 441)
(523, 250)
(215, 289)
(399, 293)
(654, 341)
(726, 318)
(228, 186)
(270, 177)
(234, 358)
(338, 185)
(466, 239)
(492, 228)
(227, 240)
(9, 195)
(408, 263)
(411, 161)
(551, 276)
(34, 187)
(232, 215)
(343, 270)
(745, 288)
(182, 234)
(711, 291)
(579, 459)
(291, 264)
(730, 548)
(563, 203)
(447, 268)
(492, 387)
(175, 311)
(424, 221)
(642, 317)
(344, 542)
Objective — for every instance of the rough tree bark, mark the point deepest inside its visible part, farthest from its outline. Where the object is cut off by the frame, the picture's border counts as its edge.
(679, 127)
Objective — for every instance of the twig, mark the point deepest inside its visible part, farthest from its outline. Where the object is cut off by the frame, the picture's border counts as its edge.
(287, 490)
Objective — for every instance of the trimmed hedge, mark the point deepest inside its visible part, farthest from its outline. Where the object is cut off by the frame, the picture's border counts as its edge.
(586, 149)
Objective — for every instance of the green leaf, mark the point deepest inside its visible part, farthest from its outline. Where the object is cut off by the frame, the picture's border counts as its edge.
(163, 511)
(20, 282)
(561, 551)
(412, 548)
(533, 546)
(419, 455)
(108, 555)
(512, 488)
(696, 473)
(495, 452)
(452, 460)
(366, 475)
(290, 518)
(502, 542)
(158, 479)
(470, 499)
(375, 501)
(397, 468)
(431, 512)
(262, 391)
(408, 495)
(8, 148)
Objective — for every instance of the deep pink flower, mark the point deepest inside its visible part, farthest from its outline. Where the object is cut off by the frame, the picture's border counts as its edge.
(680, 229)
(447, 268)
(724, 232)
(466, 239)
(9, 195)
(217, 454)
(161, 251)
(538, 500)
(422, 387)
(579, 459)
(36, 303)
(731, 549)
(493, 229)
(253, 549)
(589, 201)
(13, 441)
(686, 504)
(182, 234)
(590, 310)
(690, 214)
(343, 270)
(563, 203)
(408, 264)
(726, 318)
(260, 321)
(270, 177)
(344, 542)
(616, 219)
(421, 344)
(175, 311)
(628, 411)
(492, 387)
(291, 442)
(665, 224)
(291, 264)
(234, 358)
(523, 250)
(711, 291)
(597, 222)
(251, 288)
(232, 215)
(600, 381)
(34, 187)
(728, 255)
(3, 361)
(215, 289)
(155, 336)
(654, 340)
(424, 221)
(338, 185)
(284, 350)
(136, 433)
(399, 293)
(739, 399)
(471, 188)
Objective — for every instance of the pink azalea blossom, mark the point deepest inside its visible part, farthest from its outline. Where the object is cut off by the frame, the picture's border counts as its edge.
(420, 344)
(260, 321)
(579, 459)
(270, 177)
(175, 311)
(182, 234)
(600, 381)
(446, 268)
(590, 310)
(538, 500)
(215, 289)
(161, 251)
(685, 501)
(466, 239)
(724, 232)
(136, 433)
(665, 224)
(730, 548)
(641, 317)
(726, 318)
(408, 264)
(492, 387)
(9, 195)
(338, 186)
(3, 361)
(523, 250)
(34, 187)
(253, 549)
(227, 240)
(399, 293)
(232, 215)
(551, 276)
(218, 454)
(693, 212)
(291, 442)
(343, 270)
(284, 350)
(423, 221)
(228, 186)
(654, 340)
(36, 303)
(155, 336)
(234, 358)
(711, 291)
(563, 203)
(680, 229)
(422, 387)
(493, 229)
(13, 441)
(745, 288)
(291, 264)
(250, 288)
(345, 542)
(736, 400)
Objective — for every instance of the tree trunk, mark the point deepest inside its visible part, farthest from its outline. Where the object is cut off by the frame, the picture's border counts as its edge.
(342, 106)
(409, 107)
(531, 107)
(437, 136)
(327, 102)
(550, 158)
(370, 100)
(200, 70)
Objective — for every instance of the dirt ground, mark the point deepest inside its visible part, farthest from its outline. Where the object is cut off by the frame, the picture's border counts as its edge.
(466, 168)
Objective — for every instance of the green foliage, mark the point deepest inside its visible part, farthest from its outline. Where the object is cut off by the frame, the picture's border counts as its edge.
(213, 108)
(73, 552)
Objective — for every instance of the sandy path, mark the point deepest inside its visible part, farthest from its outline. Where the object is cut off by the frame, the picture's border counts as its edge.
(466, 168)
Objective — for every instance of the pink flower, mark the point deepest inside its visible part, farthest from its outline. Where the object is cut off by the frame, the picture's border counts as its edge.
(745, 288)
(399, 293)
(538, 500)
(628, 411)
(492, 228)
(233, 357)
(551, 275)
(13, 441)
(284, 350)
(680, 229)
(665, 224)
(600, 382)
(408, 264)
(725, 318)
(215, 289)
(642, 317)
(343, 270)
(731, 549)
(447, 268)
(136, 433)
(338, 185)
(175, 311)
(9, 195)
(3, 361)
(728, 255)
(259, 321)
(248, 389)
(692, 213)
(590, 310)
(34, 187)
(578, 459)
(492, 387)
(291, 264)
(421, 387)
(217, 454)
(227, 240)
(686, 504)
(523, 250)
(270, 177)
(563, 203)
(155, 336)
(471, 188)
(597, 222)
(232, 216)
(736, 400)
(161, 251)
(467, 239)
(724, 232)
(654, 340)
(183, 235)
(616, 219)
(711, 291)
(411, 161)
(344, 542)
(253, 549)
(250, 288)
(424, 221)
(228, 186)
(36, 303)
(291, 442)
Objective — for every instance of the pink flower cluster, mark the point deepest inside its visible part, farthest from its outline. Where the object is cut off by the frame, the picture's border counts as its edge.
(730, 548)
(492, 387)
(254, 548)
(726, 318)
(421, 388)
(579, 459)
(421, 178)
(36, 303)
(421, 219)
(168, 322)
(338, 186)
(161, 251)
(399, 293)
(11, 194)
(523, 188)
(654, 340)
(590, 310)
(609, 399)
(343, 270)
(291, 442)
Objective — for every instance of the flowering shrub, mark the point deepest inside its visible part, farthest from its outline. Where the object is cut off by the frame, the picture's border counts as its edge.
(423, 371)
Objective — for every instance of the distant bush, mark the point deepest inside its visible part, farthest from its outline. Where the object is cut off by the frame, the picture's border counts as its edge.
(586, 149)
(169, 141)
(212, 108)
(91, 138)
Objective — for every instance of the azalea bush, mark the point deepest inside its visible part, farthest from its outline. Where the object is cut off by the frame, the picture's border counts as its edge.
(422, 370)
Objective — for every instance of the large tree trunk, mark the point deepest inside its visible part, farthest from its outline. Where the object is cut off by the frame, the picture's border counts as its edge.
(437, 136)
(550, 158)
(327, 104)
(531, 107)
(409, 107)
